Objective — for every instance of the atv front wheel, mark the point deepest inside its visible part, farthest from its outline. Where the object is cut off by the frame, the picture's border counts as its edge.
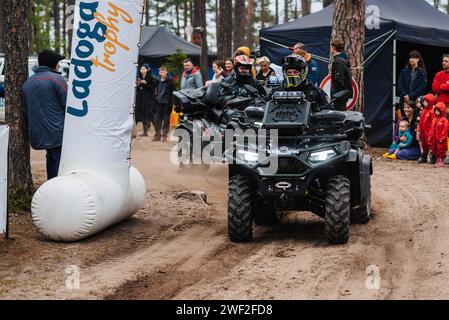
(240, 217)
(338, 209)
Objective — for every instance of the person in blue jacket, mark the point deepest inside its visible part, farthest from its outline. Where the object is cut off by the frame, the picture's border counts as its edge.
(413, 79)
(44, 98)
(314, 69)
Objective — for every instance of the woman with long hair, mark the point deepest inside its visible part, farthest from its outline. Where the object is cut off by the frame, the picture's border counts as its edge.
(146, 85)
(413, 79)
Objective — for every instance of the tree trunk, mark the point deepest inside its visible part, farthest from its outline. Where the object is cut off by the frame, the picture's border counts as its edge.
(224, 37)
(296, 10)
(239, 24)
(276, 16)
(327, 3)
(262, 14)
(200, 30)
(16, 64)
(71, 7)
(349, 25)
(191, 12)
(157, 12)
(250, 24)
(47, 19)
(64, 27)
(178, 20)
(286, 9)
(147, 13)
(57, 26)
(2, 26)
(306, 7)
(186, 15)
(436, 3)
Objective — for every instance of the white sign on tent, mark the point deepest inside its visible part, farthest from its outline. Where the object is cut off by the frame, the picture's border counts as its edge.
(4, 140)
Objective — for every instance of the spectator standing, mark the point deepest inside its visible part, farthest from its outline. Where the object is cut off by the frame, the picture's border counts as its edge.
(413, 79)
(218, 66)
(145, 100)
(440, 87)
(164, 105)
(438, 134)
(265, 70)
(341, 74)
(45, 98)
(314, 69)
(440, 84)
(424, 126)
(191, 78)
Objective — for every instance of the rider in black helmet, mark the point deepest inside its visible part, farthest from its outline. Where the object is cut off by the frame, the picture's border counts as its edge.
(295, 71)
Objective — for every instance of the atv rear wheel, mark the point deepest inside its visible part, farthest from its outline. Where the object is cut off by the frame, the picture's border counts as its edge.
(240, 213)
(338, 209)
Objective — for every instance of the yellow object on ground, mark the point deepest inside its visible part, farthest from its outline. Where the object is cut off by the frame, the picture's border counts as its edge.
(174, 118)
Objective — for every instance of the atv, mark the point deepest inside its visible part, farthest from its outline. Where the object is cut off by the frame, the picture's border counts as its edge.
(304, 158)
(202, 128)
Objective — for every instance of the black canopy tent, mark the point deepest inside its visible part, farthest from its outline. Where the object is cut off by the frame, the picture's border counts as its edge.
(403, 25)
(157, 44)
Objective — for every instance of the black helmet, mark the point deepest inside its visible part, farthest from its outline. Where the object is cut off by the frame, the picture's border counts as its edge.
(246, 62)
(295, 62)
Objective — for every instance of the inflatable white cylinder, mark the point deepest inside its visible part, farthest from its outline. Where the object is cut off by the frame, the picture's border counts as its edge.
(96, 186)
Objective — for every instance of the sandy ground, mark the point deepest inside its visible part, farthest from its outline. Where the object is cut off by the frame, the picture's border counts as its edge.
(179, 249)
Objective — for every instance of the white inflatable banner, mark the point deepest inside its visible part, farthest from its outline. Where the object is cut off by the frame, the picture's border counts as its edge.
(4, 140)
(101, 93)
(96, 186)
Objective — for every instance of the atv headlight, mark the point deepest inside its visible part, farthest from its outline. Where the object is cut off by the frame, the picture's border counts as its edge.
(321, 156)
(248, 156)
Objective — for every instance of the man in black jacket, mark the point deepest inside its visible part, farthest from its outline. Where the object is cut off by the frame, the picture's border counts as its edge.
(341, 74)
(164, 105)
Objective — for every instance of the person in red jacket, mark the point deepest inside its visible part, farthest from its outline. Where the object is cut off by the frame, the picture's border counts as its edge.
(441, 88)
(441, 83)
(438, 134)
(424, 126)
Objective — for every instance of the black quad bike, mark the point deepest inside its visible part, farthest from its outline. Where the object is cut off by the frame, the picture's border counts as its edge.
(203, 125)
(317, 164)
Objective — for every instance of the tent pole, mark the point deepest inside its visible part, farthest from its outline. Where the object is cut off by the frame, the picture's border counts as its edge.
(394, 82)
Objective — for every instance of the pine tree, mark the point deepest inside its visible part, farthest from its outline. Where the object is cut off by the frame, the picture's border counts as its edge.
(16, 64)
(327, 3)
(224, 36)
(71, 5)
(147, 13)
(2, 26)
(250, 10)
(306, 7)
(199, 25)
(239, 24)
(57, 28)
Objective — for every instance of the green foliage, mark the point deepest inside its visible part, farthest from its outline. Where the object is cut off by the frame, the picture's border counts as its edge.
(175, 66)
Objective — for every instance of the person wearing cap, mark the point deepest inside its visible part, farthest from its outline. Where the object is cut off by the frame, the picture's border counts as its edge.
(314, 69)
(44, 98)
